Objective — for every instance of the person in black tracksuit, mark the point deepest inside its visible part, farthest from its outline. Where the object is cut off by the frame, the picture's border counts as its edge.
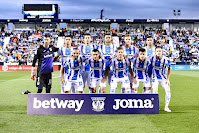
(44, 55)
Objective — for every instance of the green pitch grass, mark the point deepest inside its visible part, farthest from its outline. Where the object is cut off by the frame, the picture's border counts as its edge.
(184, 117)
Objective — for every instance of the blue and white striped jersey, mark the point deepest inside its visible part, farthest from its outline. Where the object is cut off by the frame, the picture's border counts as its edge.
(74, 67)
(64, 53)
(130, 52)
(97, 70)
(150, 52)
(140, 68)
(160, 67)
(107, 52)
(86, 51)
(119, 67)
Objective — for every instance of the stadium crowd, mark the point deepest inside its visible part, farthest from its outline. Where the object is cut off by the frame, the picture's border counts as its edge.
(180, 46)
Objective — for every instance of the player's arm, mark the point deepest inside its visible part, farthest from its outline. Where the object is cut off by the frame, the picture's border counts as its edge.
(62, 75)
(36, 57)
(168, 76)
(106, 74)
(131, 71)
(57, 56)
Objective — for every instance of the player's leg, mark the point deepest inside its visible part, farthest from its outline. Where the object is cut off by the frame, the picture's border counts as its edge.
(102, 86)
(48, 82)
(79, 85)
(93, 85)
(38, 84)
(147, 85)
(136, 86)
(67, 86)
(125, 83)
(155, 84)
(110, 73)
(62, 84)
(167, 95)
(113, 84)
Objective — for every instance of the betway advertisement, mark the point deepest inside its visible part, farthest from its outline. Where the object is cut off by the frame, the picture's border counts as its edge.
(21, 67)
(50, 104)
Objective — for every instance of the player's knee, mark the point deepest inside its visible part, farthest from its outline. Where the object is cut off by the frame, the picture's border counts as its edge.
(66, 91)
(155, 90)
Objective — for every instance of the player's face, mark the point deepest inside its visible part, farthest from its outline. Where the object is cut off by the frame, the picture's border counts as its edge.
(108, 39)
(149, 42)
(120, 53)
(87, 39)
(95, 55)
(75, 54)
(127, 40)
(158, 52)
(68, 42)
(142, 55)
(46, 41)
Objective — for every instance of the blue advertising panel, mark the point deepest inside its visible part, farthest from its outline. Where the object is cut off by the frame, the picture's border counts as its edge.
(47, 104)
(184, 67)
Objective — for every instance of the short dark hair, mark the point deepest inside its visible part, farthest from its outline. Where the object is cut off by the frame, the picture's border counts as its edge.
(87, 34)
(95, 50)
(149, 37)
(120, 48)
(158, 47)
(142, 50)
(68, 36)
(47, 35)
(108, 34)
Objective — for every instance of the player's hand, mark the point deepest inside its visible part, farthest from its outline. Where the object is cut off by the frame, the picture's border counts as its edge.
(103, 80)
(32, 75)
(168, 82)
(63, 80)
(134, 81)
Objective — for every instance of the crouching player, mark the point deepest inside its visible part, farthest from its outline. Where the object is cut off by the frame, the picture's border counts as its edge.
(140, 65)
(96, 64)
(73, 78)
(160, 65)
(120, 74)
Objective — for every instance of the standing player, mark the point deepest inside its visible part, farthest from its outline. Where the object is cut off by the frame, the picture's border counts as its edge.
(44, 55)
(74, 78)
(108, 51)
(130, 52)
(150, 51)
(97, 64)
(65, 52)
(140, 65)
(120, 74)
(86, 50)
(160, 65)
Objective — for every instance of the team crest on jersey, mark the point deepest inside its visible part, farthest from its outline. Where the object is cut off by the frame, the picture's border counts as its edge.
(98, 103)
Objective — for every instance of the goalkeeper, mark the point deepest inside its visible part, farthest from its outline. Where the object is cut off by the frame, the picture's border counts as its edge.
(44, 55)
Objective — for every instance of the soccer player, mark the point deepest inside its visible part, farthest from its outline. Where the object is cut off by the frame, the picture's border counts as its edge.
(65, 52)
(74, 77)
(150, 51)
(140, 65)
(160, 65)
(108, 51)
(86, 50)
(130, 52)
(97, 64)
(120, 74)
(44, 55)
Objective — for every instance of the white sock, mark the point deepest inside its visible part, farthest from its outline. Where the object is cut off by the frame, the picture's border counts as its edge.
(167, 97)
(112, 90)
(133, 91)
(127, 90)
(122, 90)
(90, 90)
(147, 91)
(155, 91)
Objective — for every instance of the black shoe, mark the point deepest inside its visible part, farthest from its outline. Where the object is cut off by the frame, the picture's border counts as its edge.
(26, 92)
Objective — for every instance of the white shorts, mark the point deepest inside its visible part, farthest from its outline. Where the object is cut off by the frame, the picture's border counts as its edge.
(125, 83)
(77, 84)
(93, 82)
(146, 83)
(155, 83)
